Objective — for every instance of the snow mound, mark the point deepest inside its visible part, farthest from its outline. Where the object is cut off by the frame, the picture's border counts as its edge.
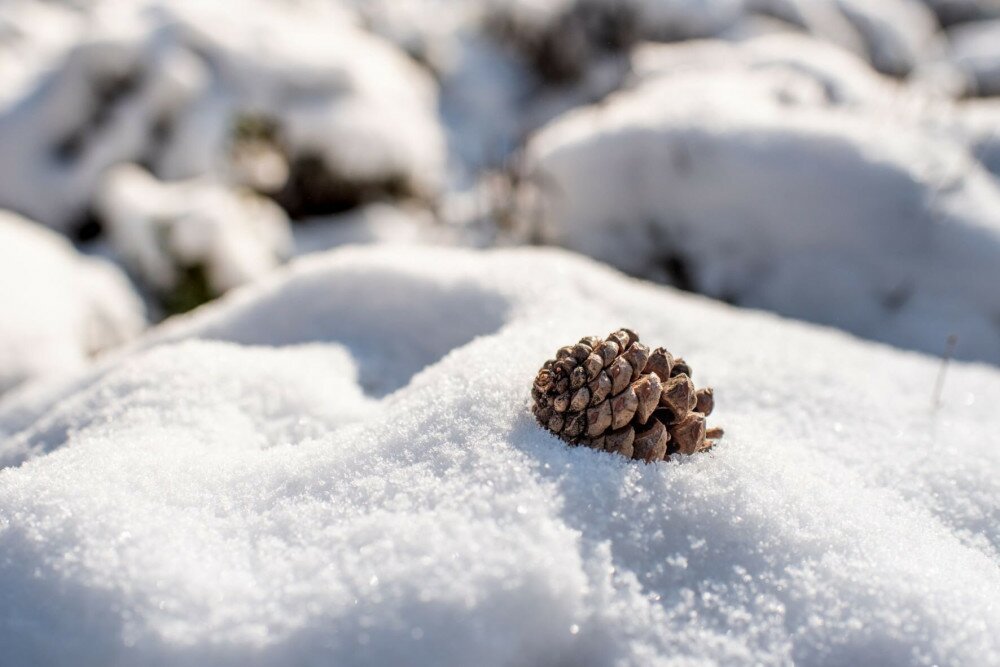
(248, 500)
(959, 11)
(975, 49)
(59, 307)
(191, 241)
(152, 83)
(815, 197)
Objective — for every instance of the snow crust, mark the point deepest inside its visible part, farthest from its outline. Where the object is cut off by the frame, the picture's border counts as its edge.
(313, 470)
(59, 306)
(825, 194)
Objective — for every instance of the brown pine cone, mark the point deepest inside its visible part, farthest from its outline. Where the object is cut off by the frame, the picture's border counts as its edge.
(616, 395)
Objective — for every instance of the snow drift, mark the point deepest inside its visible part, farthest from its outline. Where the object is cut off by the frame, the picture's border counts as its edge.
(339, 466)
(824, 194)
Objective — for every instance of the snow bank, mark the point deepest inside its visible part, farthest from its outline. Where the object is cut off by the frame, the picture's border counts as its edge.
(59, 307)
(157, 83)
(191, 241)
(240, 488)
(812, 197)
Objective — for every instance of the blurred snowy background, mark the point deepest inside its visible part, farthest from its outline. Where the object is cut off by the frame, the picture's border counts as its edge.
(830, 160)
(335, 461)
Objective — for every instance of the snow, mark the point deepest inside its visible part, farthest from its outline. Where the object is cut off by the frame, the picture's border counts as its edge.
(821, 195)
(313, 470)
(59, 307)
(375, 223)
(957, 11)
(150, 82)
(975, 48)
(162, 229)
(979, 122)
(898, 34)
(334, 461)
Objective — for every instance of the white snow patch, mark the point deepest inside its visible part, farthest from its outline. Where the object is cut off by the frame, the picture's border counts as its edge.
(211, 503)
(58, 307)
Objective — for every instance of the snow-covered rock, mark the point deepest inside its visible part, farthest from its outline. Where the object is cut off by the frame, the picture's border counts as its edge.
(190, 241)
(241, 488)
(159, 83)
(58, 307)
(837, 213)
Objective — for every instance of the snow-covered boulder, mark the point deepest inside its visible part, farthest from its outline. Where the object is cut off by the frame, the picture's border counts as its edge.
(840, 214)
(159, 83)
(58, 307)
(241, 488)
(190, 241)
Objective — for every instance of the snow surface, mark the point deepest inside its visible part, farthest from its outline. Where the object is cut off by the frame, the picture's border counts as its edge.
(59, 307)
(825, 194)
(313, 470)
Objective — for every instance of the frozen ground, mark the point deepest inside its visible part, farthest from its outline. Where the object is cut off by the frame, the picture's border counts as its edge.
(314, 471)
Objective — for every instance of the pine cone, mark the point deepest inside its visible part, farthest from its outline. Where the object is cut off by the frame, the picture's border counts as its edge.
(618, 396)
